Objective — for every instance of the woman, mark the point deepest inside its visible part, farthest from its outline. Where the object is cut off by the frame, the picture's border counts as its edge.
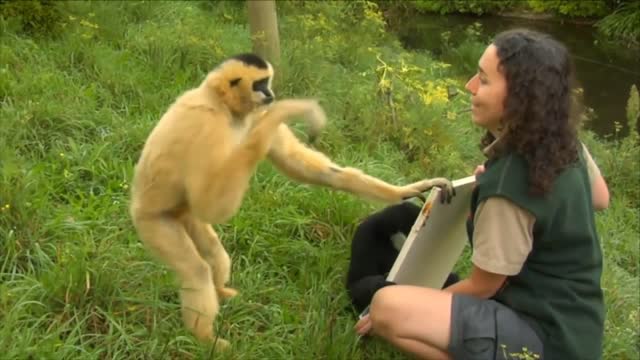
(534, 286)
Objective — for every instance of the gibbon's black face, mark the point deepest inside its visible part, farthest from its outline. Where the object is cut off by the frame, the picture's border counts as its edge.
(262, 89)
(248, 86)
(261, 93)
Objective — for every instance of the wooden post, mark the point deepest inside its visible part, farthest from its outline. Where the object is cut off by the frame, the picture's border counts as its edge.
(263, 26)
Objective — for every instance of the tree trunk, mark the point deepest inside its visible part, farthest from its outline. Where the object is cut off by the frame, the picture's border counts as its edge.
(263, 26)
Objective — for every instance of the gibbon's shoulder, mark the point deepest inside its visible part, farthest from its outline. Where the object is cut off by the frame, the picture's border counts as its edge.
(240, 67)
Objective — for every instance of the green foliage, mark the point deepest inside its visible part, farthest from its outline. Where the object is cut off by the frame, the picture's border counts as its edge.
(75, 281)
(477, 7)
(592, 8)
(623, 24)
(618, 160)
(463, 54)
(633, 110)
(34, 17)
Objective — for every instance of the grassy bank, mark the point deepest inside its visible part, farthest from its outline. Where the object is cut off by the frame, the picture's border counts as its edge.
(77, 103)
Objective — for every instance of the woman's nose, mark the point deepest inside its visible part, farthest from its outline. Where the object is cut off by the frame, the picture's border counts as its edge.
(472, 84)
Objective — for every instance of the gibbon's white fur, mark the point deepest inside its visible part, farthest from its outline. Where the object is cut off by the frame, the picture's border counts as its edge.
(196, 165)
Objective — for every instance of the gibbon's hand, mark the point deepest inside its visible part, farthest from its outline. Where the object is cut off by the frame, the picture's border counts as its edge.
(447, 192)
(309, 109)
(315, 112)
(416, 189)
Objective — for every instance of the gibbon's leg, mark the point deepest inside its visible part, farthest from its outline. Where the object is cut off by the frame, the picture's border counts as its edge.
(212, 251)
(373, 252)
(215, 191)
(307, 165)
(167, 239)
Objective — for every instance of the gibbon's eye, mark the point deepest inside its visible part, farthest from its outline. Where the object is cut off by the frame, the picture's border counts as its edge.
(262, 86)
(234, 82)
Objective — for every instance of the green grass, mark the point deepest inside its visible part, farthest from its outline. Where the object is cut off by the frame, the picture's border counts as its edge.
(77, 104)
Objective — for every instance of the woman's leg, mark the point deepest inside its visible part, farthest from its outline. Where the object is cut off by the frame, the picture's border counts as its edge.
(415, 319)
(420, 350)
(435, 324)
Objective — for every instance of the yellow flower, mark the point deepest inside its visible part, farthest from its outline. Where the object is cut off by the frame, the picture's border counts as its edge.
(88, 24)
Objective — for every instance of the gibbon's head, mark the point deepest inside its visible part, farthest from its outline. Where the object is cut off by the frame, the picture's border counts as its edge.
(243, 82)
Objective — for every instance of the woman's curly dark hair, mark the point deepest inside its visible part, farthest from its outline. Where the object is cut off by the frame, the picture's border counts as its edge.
(538, 122)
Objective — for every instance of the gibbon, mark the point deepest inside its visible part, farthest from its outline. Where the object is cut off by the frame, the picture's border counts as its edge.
(196, 165)
(375, 246)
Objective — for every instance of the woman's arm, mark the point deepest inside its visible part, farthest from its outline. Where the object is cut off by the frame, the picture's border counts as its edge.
(600, 193)
(599, 188)
(502, 240)
(480, 283)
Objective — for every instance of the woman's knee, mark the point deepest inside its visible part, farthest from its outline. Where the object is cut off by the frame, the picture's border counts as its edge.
(401, 309)
(386, 310)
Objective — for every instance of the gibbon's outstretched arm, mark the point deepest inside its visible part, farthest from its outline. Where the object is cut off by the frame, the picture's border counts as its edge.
(217, 187)
(304, 164)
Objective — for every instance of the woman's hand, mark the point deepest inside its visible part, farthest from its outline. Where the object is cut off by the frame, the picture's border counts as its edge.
(479, 170)
(363, 326)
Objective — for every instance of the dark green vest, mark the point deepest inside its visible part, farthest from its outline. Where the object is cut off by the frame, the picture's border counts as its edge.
(558, 289)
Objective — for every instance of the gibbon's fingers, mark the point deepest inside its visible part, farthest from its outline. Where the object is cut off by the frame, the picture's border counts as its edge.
(444, 184)
(306, 165)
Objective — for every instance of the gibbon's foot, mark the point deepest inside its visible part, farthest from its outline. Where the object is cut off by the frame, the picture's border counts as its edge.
(221, 345)
(361, 291)
(226, 292)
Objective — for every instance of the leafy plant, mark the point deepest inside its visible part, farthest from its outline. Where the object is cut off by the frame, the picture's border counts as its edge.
(623, 24)
(593, 8)
(34, 17)
(477, 7)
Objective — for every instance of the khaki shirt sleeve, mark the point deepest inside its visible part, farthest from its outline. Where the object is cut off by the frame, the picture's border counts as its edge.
(592, 168)
(502, 237)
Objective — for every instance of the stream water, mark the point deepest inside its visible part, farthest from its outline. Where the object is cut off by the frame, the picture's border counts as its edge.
(605, 71)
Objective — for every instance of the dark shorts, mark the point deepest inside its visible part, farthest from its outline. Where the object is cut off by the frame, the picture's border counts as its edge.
(487, 330)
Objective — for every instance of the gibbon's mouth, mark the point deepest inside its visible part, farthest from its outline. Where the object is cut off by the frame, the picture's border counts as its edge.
(267, 100)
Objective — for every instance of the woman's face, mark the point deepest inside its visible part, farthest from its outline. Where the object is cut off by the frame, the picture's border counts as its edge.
(488, 90)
